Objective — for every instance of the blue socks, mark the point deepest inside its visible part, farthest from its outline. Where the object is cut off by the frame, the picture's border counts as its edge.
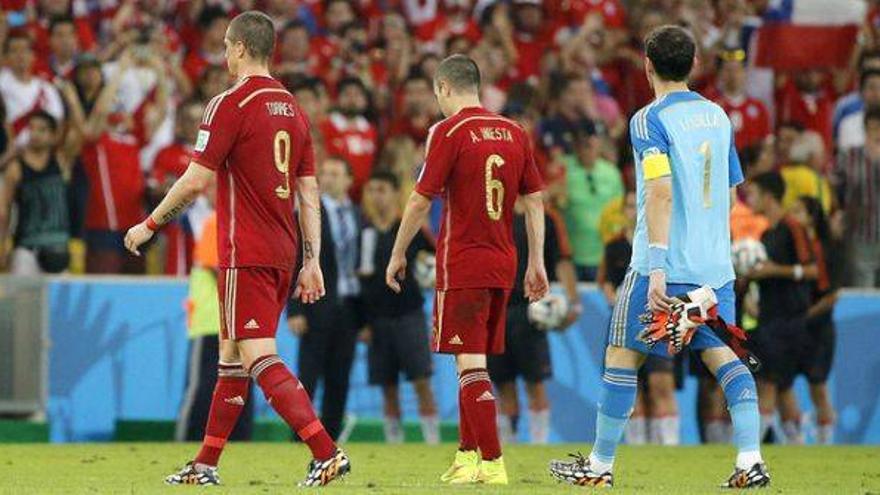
(615, 405)
(742, 402)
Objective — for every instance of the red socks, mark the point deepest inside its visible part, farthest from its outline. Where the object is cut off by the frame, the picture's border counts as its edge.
(466, 438)
(478, 404)
(229, 395)
(289, 399)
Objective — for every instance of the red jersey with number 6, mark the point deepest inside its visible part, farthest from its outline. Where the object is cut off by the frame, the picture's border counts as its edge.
(257, 139)
(479, 162)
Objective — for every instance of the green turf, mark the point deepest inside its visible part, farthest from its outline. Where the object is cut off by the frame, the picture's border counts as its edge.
(413, 469)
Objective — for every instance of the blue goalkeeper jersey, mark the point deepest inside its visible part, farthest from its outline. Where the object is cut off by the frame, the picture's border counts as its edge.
(690, 138)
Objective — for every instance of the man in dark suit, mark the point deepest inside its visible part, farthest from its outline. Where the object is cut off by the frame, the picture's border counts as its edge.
(328, 329)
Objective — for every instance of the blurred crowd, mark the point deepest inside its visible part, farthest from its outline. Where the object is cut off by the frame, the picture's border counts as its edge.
(101, 101)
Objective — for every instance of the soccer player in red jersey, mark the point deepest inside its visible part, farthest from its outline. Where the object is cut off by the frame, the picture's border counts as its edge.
(478, 162)
(255, 138)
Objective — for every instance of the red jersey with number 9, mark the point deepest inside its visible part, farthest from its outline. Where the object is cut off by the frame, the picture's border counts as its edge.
(479, 162)
(257, 139)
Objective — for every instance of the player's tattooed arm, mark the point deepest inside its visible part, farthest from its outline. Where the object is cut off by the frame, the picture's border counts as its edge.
(184, 191)
(309, 217)
(175, 210)
(310, 282)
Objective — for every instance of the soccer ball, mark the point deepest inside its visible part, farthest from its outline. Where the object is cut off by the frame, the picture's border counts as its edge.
(747, 253)
(425, 270)
(548, 313)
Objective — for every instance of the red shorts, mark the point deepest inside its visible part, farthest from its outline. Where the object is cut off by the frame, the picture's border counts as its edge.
(251, 301)
(469, 321)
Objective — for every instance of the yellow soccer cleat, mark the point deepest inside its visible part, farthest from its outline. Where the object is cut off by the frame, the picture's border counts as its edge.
(492, 472)
(463, 469)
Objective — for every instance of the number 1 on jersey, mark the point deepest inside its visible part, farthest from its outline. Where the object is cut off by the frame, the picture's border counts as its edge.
(706, 151)
(494, 188)
(282, 162)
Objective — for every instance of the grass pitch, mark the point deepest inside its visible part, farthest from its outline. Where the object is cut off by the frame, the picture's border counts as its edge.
(255, 468)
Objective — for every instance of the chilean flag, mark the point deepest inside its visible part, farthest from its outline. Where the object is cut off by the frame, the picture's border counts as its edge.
(797, 34)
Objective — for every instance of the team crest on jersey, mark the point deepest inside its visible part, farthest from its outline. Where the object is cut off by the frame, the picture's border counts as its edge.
(651, 151)
(202, 140)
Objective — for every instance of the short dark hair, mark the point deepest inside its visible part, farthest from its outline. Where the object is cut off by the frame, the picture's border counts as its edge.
(293, 25)
(352, 81)
(45, 117)
(865, 55)
(868, 74)
(313, 85)
(256, 31)
(872, 113)
(749, 155)
(671, 50)
(416, 76)
(60, 20)
(790, 124)
(388, 177)
(17, 36)
(345, 165)
(460, 72)
(209, 15)
(770, 182)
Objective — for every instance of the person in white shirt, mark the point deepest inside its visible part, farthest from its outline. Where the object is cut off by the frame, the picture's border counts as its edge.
(24, 93)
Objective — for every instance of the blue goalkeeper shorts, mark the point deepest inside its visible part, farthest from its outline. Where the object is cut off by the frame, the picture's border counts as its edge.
(632, 302)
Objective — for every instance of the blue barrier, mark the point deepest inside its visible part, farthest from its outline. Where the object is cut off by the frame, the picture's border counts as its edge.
(119, 350)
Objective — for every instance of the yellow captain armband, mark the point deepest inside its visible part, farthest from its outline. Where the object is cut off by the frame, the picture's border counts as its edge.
(656, 166)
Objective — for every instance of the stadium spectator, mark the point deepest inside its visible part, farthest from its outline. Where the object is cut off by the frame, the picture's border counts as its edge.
(63, 49)
(805, 98)
(41, 27)
(293, 56)
(23, 92)
(748, 115)
(214, 80)
(857, 173)
(850, 130)
(784, 284)
(402, 157)
(570, 114)
(528, 34)
(348, 134)
(592, 183)
(328, 329)
(113, 138)
(396, 332)
(801, 170)
(418, 110)
(212, 23)
(868, 61)
(35, 183)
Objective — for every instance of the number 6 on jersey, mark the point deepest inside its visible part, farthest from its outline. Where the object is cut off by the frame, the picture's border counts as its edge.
(494, 188)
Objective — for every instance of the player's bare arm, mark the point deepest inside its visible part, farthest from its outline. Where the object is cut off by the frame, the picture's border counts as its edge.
(658, 209)
(11, 178)
(184, 191)
(769, 269)
(310, 284)
(535, 284)
(414, 216)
